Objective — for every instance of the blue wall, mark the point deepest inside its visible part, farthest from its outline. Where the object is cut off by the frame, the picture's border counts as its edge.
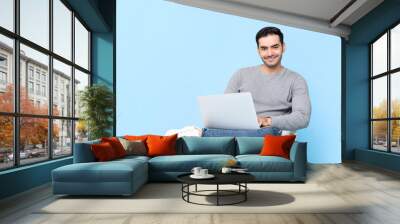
(102, 58)
(168, 54)
(24, 178)
(357, 104)
(103, 61)
(357, 82)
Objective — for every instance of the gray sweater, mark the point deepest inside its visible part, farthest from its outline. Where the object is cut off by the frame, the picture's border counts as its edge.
(282, 96)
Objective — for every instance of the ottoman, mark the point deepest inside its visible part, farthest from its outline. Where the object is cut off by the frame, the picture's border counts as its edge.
(118, 177)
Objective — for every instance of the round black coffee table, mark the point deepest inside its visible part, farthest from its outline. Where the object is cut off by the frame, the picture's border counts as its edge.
(238, 179)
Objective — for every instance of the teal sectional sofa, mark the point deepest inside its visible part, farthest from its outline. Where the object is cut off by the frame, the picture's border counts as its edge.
(125, 176)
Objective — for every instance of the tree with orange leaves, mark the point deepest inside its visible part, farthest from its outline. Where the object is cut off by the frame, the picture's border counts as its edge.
(6, 122)
(33, 130)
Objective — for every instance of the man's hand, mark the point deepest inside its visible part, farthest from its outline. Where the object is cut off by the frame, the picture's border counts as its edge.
(264, 121)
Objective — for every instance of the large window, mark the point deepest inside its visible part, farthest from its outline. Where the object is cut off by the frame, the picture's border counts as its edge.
(44, 64)
(7, 14)
(385, 91)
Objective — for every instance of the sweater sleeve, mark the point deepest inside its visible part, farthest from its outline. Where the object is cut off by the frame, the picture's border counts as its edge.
(301, 109)
(234, 83)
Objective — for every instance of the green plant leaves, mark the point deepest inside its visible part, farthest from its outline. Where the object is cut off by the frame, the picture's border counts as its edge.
(97, 104)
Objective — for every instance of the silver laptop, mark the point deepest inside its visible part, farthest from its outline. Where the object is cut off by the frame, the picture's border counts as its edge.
(228, 111)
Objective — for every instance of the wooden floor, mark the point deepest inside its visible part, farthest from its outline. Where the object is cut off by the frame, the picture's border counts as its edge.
(377, 188)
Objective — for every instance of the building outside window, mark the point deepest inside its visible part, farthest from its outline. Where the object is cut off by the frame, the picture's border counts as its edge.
(43, 90)
(385, 91)
(37, 75)
(3, 78)
(55, 96)
(3, 72)
(30, 87)
(30, 72)
(3, 61)
(43, 77)
(38, 89)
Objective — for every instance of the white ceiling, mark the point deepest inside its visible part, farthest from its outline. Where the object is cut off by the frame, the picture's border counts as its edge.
(321, 9)
(326, 16)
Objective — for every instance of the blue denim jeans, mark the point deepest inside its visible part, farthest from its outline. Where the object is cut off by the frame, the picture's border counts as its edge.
(214, 132)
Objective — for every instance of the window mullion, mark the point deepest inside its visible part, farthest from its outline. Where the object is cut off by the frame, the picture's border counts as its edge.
(16, 84)
(371, 89)
(73, 82)
(89, 55)
(389, 106)
(50, 81)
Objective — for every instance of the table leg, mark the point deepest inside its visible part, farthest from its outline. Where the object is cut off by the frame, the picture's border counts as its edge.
(188, 190)
(217, 194)
(196, 188)
(245, 193)
(182, 190)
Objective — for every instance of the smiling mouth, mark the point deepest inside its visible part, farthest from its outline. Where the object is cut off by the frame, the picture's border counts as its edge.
(270, 59)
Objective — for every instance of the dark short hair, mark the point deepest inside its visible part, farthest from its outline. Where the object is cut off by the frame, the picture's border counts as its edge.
(269, 30)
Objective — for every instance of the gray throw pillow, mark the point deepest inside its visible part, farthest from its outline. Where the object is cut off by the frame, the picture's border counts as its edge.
(137, 148)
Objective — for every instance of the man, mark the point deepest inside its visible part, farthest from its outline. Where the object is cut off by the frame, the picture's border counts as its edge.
(280, 95)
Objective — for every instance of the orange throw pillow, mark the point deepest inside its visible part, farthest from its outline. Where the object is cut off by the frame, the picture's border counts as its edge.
(277, 145)
(161, 145)
(116, 145)
(103, 151)
(136, 137)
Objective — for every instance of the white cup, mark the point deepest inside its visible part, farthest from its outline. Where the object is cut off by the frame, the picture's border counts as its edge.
(203, 172)
(196, 170)
(226, 170)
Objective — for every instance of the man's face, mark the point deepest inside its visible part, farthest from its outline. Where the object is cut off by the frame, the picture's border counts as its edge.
(271, 50)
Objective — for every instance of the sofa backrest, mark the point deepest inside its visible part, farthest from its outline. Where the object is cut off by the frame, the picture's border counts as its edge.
(184, 145)
(253, 145)
(249, 145)
(191, 145)
(83, 152)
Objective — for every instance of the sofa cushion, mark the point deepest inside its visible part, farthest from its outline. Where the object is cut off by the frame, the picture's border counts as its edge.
(111, 171)
(131, 158)
(257, 163)
(136, 147)
(193, 145)
(277, 145)
(185, 163)
(249, 145)
(116, 145)
(161, 145)
(103, 152)
(136, 137)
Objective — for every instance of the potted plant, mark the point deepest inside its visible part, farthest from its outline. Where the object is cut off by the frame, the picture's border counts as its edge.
(96, 102)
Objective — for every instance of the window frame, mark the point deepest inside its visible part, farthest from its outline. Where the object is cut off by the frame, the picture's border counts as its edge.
(16, 114)
(388, 74)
